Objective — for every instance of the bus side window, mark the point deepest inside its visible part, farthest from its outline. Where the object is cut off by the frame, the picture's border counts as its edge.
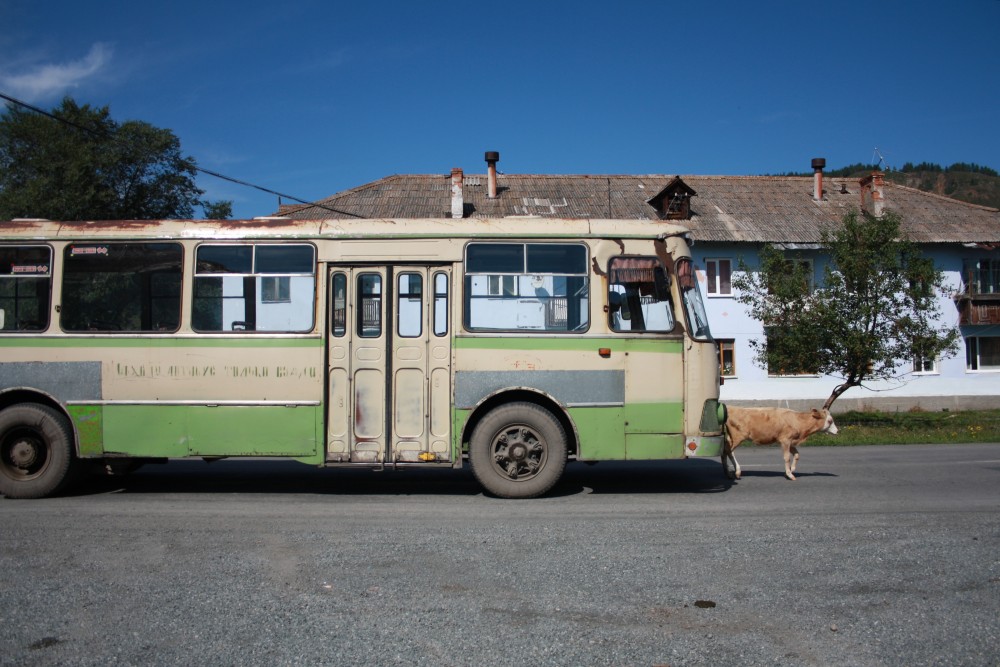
(639, 295)
(25, 286)
(440, 304)
(121, 287)
(338, 319)
(410, 305)
(369, 305)
(254, 287)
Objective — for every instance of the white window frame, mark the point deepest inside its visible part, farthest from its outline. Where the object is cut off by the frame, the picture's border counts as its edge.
(927, 367)
(974, 340)
(714, 287)
(502, 285)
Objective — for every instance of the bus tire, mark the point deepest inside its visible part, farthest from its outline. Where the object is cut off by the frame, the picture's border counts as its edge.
(36, 451)
(518, 450)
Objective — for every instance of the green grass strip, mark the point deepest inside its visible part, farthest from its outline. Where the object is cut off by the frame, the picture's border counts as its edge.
(912, 428)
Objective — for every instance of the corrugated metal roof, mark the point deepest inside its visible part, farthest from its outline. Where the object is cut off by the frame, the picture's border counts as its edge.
(725, 209)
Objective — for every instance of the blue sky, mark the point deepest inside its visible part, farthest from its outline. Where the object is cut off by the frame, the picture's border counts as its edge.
(310, 98)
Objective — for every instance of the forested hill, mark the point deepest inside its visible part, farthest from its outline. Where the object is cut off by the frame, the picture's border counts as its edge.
(967, 182)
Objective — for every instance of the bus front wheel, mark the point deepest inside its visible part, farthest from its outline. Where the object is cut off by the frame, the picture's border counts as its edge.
(518, 450)
(36, 451)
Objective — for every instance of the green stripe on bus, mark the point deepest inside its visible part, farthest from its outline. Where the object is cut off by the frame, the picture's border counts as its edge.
(568, 344)
(164, 342)
(176, 431)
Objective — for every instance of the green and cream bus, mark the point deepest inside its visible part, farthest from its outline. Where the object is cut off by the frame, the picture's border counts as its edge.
(516, 344)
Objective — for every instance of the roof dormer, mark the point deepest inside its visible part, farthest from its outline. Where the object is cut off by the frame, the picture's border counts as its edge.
(674, 201)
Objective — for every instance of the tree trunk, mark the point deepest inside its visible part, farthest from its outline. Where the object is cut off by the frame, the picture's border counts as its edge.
(837, 391)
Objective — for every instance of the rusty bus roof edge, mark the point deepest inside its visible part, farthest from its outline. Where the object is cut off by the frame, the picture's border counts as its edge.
(336, 228)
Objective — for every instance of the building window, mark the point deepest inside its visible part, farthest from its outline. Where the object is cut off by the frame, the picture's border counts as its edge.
(727, 357)
(981, 276)
(275, 289)
(982, 353)
(924, 365)
(502, 285)
(719, 276)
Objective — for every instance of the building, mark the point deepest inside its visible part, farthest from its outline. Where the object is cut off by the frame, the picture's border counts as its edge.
(731, 217)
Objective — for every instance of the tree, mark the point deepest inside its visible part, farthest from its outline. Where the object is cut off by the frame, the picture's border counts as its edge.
(79, 164)
(219, 210)
(876, 309)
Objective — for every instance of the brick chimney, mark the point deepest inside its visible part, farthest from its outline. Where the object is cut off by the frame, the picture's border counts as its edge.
(873, 194)
(457, 197)
(817, 164)
(492, 157)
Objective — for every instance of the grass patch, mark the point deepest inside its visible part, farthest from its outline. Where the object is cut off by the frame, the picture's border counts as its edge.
(911, 428)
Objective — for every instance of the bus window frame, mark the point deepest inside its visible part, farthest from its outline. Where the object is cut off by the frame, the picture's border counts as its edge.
(524, 243)
(77, 243)
(46, 313)
(258, 277)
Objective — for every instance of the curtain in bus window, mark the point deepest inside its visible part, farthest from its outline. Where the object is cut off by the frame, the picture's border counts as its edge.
(127, 287)
(25, 286)
(639, 296)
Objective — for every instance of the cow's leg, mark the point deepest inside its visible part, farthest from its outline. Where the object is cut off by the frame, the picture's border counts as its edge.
(730, 466)
(786, 452)
(795, 457)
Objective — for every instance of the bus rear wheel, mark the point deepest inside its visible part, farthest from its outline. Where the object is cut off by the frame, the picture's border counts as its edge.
(518, 450)
(36, 451)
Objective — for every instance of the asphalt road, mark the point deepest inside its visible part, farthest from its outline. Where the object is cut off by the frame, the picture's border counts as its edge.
(876, 556)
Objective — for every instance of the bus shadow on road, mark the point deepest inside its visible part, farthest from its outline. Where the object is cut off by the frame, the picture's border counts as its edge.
(289, 477)
(636, 477)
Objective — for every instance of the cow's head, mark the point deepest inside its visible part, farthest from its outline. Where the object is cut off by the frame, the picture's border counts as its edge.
(828, 424)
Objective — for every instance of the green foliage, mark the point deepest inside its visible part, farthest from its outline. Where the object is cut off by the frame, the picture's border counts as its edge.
(876, 309)
(86, 166)
(218, 210)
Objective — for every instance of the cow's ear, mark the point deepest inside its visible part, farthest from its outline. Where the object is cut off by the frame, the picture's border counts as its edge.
(817, 414)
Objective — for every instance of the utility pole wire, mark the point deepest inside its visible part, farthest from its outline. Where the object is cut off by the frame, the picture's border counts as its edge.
(190, 163)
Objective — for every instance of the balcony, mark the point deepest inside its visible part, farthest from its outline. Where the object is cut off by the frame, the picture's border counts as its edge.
(979, 300)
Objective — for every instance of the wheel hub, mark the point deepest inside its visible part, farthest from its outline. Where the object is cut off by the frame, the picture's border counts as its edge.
(517, 451)
(24, 454)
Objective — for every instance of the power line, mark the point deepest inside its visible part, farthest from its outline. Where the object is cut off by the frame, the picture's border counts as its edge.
(190, 163)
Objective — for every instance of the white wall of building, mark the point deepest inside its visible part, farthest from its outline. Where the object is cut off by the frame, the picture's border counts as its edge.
(952, 385)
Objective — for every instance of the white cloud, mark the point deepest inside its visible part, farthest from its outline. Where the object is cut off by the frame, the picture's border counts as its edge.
(46, 81)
